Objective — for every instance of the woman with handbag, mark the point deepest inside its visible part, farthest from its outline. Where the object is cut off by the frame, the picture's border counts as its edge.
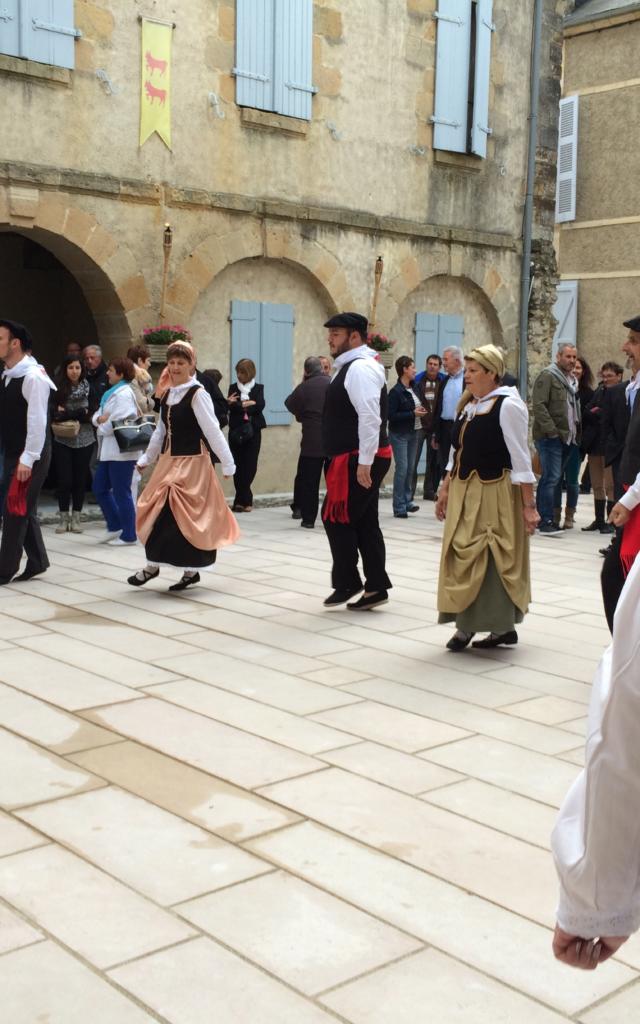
(114, 472)
(183, 517)
(73, 441)
(246, 423)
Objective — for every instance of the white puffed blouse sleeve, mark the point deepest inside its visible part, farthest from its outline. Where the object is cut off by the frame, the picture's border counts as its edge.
(514, 422)
(596, 840)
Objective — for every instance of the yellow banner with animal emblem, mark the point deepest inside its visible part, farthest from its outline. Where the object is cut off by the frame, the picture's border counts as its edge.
(155, 95)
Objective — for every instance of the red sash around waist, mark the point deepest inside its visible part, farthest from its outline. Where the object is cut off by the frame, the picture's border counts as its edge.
(336, 505)
(630, 545)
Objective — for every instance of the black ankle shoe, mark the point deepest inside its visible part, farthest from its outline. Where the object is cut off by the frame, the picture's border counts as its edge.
(592, 527)
(456, 643)
(340, 597)
(28, 574)
(364, 604)
(141, 577)
(510, 638)
(186, 581)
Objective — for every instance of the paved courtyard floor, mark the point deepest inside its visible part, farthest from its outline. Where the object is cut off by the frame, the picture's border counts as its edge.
(234, 807)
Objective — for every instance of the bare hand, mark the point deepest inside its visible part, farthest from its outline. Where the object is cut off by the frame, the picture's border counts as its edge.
(227, 476)
(164, 383)
(363, 476)
(441, 504)
(434, 444)
(233, 398)
(531, 519)
(585, 954)
(619, 515)
(103, 419)
(22, 472)
(245, 405)
(420, 411)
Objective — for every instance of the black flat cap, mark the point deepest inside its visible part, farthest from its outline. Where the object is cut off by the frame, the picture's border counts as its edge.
(633, 325)
(352, 321)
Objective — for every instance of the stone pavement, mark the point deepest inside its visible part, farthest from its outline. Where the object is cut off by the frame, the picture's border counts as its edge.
(233, 807)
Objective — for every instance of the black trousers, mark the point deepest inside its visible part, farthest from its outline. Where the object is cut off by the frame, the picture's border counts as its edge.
(306, 487)
(361, 535)
(246, 460)
(72, 467)
(23, 533)
(612, 579)
(444, 445)
(432, 468)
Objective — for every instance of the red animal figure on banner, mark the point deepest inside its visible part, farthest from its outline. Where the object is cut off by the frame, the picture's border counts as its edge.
(154, 64)
(153, 93)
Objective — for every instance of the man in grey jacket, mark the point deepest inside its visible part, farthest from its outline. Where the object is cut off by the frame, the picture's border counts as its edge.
(556, 426)
(306, 403)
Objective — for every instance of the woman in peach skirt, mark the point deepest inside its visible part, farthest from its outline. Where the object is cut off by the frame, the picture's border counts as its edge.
(182, 516)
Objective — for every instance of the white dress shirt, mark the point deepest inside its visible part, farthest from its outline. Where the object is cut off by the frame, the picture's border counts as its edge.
(596, 840)
(120, 405)
(631, 390)
(631, 497)
(207, 421)
(36, 391)
(514, 423)
(363, 384)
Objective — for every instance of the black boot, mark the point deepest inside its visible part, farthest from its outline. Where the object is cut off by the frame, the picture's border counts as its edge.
(599, 521)
(607, 527)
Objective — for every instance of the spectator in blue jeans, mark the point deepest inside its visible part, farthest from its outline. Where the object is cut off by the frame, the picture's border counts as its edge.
(405, 412)
(556, 428)
(114, 472)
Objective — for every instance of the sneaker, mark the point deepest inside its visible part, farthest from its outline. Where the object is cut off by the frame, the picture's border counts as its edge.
(119, 542)
(549, 529)
(108, 536)
(340, 597)
(365, 603)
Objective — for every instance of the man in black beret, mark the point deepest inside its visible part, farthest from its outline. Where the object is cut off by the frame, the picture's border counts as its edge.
(354, 430)
(624, 515)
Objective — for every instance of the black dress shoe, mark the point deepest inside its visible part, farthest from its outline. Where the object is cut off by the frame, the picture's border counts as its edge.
(28, 574)
(367, 602)
(4, 580)
(186, 581)
(400, 515)
(340, 597)
(456, 643)
(413, 508)
(607, 528)
(307, 526)
(141, 577)
(296, 514)
(495, 641)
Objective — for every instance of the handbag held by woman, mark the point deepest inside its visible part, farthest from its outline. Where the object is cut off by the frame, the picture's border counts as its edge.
(134, 433)
(66, 428)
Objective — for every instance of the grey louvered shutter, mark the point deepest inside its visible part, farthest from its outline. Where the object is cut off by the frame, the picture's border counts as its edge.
(48, 33)
(565, 311)
(567, 159)
(255, 38)
(426, 331)
(293, 59)
(453, 52)
(10, 27)
(450, 331)
(245, 334)
(480, 129)
(276, 361)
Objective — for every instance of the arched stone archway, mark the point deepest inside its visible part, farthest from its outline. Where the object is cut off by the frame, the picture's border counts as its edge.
(103, 269)
(272, 241)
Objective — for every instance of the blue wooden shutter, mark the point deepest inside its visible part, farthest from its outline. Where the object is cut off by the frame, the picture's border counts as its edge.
(255, 35)
(10, 27)
(276, 363)
(293, 72)
(565, 311)
(453, 52)
(484, 31)
(245, 334)
(566, 188)
(426, 331)
(450, 332)
(48, 32)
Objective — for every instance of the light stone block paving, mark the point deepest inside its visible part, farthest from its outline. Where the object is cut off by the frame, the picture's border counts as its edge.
(233, 805)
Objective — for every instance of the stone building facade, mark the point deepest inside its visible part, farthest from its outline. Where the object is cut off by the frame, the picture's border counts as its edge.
(270, 208)
(599, 242)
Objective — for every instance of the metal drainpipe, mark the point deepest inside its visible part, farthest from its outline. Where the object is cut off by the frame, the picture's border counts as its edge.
(527, 228)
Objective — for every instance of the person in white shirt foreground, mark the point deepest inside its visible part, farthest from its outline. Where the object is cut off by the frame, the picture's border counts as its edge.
(182, 515)
(25, 391)
(596, 840)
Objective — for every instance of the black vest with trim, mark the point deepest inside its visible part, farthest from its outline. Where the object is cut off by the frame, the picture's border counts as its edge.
(183, 434)
(13, 418)
(340, 419)
(630, 461)
(480, 446)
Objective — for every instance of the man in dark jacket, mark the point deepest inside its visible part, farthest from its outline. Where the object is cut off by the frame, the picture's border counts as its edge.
(96, 369)
(429, 384)
(446, 402)
(306, 403)
(621, 554)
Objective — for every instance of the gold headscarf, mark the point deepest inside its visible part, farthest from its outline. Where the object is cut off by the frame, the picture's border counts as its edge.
(491, 358)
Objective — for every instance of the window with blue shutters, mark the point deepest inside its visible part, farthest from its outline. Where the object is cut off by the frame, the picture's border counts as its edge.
(263, 332)
(463, 68)
(434, 332)
(40, 30)
(274, 46)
